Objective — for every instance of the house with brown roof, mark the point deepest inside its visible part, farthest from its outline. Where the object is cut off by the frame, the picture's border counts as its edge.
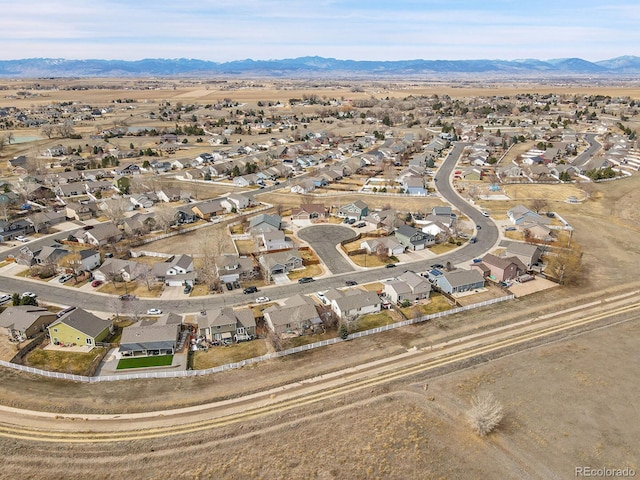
(309, 211)
(100, 235)
(500, 269)
(297, 315)
(208, 210)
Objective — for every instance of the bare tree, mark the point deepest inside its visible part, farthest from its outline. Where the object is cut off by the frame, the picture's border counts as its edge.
(65, 129)
(566, 266)
(74, 262)
(485, 413)
(115, 208)
(3, 142)
(211, 241)
(274, 340)
(165, 216)
(47, 130)
(538, 204)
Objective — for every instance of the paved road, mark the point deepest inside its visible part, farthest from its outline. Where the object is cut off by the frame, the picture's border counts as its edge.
(584, 157)
(323, 239)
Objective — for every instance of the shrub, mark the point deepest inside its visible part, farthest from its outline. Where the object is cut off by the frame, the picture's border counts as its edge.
(485, 413)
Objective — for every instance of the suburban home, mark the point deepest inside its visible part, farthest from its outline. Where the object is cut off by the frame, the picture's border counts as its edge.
(185, 215)
(304, 187)
(382, 220)
(139, 223)
(144, 339)
(520, 215)
(356, 210)
(237, 202)
(457, 281)
(389, 245)
(275, 241)
(412, 238)
(50, 255)
(501, 269)
(309, 211)
(129, 169)
(141, 201)
(42, 221)
(175, 272)
(408, 286)
(25, 321)
(280, 262)
(232, 268)
(264, 223)
(81, 211)
(70, 189)
(435, 228)
(79, 327)
(414, 185)
(89, 259)
(168, 194)
(527, 253)
(209, 209)
(226, 324)
(246, 180)
(298, 314)
(351, 303)
(100, 235)
(114, 269)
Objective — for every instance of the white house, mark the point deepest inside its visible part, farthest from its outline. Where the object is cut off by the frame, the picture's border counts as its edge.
(351, 303)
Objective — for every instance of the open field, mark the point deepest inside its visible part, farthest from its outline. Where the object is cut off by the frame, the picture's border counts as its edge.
(228, 354)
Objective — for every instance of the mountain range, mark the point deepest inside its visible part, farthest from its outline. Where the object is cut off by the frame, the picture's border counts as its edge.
(310, 67)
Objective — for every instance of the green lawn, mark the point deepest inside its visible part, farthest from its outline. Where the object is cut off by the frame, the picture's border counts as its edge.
(141, 362)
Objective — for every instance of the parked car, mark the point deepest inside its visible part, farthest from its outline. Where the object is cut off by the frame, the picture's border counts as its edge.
(350, 283)
(509, 229)
(360, 225)
(390, 265)
(4, 299)
(22, 238)
(479, 227)
(154, 311)
(437, 265)
(229, 286)
(29, 294)
(306, 280)
(187, 289)
(127, 297)
(65, 278)
(351, 221)
(486, 214)
(236, 284)
(96, 283)
(262, 299)
(250, 290)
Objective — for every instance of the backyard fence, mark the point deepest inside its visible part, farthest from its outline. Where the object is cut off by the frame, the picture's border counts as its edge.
(249, 361)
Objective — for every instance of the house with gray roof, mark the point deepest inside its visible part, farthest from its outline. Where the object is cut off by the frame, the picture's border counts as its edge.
(100, 235)
(351, 303)
(176, 271)
(79, 327)
(412, 238)
(143, 339)
(356, 210)
(25, 321)
(297, 315)
(458, 281)
(408, 286)
(281, 262)
(264, 223)
(501, 268)
(226, 324)
(527, 253)
(231, 268)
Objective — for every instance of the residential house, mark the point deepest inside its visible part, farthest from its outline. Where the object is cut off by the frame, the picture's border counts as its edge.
(175, 272)
(114, 269)
(129, 169)
(208, 210)
(70, 189)
(309, 211)
(412, 238)
(521, 215)
(141, 201)
(168, 194)
(414, 185)
(527, 253)
(139, 223)
(389, 245)
(351, 303)
(457, 281)
(386, 220)
(232, 268)
(304, 187)
(356, 210)
(79, 327)
(81, 211)
(500, 269)
(185, 215)
(226, 323)
(143, 339)
(275, 241)
(25, 321)
(50, 255)
(89, 259)
(100, 235)
(408, 286)
(281, 262)
(237, 202)
(298, 314)
(264, 223)
(246, 180)
(43, 221)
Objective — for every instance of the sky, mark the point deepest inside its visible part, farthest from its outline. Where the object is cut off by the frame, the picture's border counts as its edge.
(225, 30)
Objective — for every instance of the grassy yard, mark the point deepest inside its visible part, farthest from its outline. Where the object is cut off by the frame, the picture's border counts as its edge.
(366, 260)
(307, 339)
(245, 247)
(138, 289)
(437, 303)
(441, 248)
(61, 361)
(308, 271)
(142, 362)
(216, 356)
(374, 320)
(373, 287)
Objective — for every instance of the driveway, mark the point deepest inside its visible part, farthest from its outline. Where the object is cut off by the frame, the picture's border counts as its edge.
(323, 239)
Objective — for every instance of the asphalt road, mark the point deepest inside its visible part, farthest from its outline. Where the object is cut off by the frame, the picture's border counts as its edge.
(594, 147)
(323, 239)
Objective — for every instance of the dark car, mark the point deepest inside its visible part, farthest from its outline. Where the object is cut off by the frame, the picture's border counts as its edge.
(306, 280)
(390, 265)
(352, 221)
(187, 289)
(250, 290)
(350, 283)
(479, 227)
(360, 225)
(236, 284)
(229, 286)
(437, 265)
(127, 296)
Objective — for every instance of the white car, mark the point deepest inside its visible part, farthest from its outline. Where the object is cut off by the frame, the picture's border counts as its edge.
(485, 214)
(29, 294)
(262, 299)
(154, 311)
(22, 238)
